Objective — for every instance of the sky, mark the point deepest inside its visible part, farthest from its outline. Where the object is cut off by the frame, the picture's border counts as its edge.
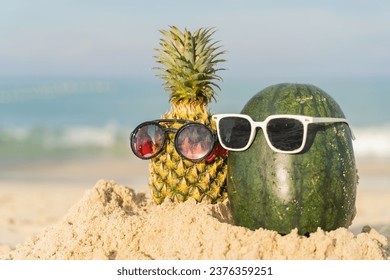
(262, 38)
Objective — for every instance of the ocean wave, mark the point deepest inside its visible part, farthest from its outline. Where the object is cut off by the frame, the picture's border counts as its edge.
(66, 142)
(84, 136)
(74, 136)
(372, 141)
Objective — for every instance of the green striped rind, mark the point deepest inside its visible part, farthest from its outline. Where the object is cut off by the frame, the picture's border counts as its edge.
(281, 192)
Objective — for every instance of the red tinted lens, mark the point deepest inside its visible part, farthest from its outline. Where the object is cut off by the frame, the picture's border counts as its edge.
(147, 141)
(194, 141)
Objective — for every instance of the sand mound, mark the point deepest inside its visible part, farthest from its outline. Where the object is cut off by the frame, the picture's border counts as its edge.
(114, 222)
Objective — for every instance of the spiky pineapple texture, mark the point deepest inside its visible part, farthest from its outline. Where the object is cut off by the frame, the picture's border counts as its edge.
(188, 69)
(189, 62)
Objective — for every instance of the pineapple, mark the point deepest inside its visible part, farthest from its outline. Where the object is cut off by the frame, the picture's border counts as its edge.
(188, 68)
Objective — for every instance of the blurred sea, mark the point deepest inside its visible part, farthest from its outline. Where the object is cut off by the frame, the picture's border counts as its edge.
(62, 117)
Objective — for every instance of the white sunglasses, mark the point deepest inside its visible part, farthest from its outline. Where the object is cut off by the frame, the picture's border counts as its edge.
(284, 133)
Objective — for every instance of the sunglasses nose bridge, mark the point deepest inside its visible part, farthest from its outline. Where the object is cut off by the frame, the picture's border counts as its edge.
(256, 125)
(170, 130)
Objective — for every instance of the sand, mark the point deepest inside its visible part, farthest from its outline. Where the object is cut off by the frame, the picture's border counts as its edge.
(114, 221)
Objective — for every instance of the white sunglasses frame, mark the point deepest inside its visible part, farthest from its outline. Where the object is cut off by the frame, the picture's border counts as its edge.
(305, 120)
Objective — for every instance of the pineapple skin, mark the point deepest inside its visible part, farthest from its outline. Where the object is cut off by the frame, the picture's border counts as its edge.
(179, 179)
(189, 70)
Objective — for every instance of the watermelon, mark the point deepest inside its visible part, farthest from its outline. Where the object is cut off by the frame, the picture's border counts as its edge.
(313, 189)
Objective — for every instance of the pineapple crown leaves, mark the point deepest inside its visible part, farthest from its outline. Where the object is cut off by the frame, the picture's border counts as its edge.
(189, 64)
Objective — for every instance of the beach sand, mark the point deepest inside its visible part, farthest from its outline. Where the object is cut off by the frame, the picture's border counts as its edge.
(101, 209)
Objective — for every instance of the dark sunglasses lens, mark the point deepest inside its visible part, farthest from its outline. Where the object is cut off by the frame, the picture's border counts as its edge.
(194, 141)
(147, 141)
(285, 134)
(234, 132)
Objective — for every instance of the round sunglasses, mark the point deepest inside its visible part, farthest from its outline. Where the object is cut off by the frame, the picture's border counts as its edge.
(283, 133)
(193, 141)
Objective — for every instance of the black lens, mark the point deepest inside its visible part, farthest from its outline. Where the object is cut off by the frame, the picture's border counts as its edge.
(285, 134)
(234, 132)
(194, 141)
(147, 140)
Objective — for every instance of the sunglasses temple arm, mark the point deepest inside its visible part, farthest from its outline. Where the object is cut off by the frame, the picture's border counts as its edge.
(334, 120)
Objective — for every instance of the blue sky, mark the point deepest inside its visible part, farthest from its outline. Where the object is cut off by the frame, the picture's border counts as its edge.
(263, 38)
